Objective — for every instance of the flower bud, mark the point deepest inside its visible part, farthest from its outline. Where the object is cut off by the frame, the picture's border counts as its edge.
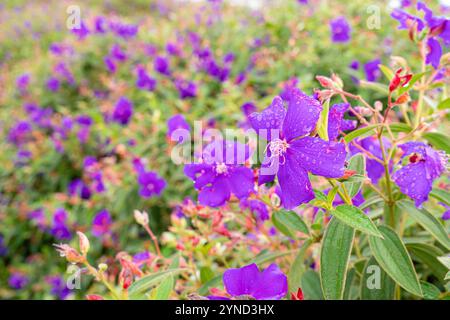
(378, 106)
(403, 98)
(141, 217)
(337, 81)
(102, 267)
(84, 243)
(94, 297)
(325, 81)
(69, 253)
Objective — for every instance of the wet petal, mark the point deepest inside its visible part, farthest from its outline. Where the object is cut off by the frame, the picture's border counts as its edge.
(269, 120)
(294, 184)
(323, 158)
(302, 115)
(201, 173)
(215, 195)
(434, 53)
(335, 119)
(241, 181)
(413, 182)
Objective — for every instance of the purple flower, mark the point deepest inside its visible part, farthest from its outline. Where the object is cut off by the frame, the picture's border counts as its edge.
(53, 84)
(110, 64)
(445, 215)
(100, 24)
(270, 284)
(81, 32)
(375, 170)
(173, 49)
(117, 53)
(124, 31)
(372, 70)
(340, 30)
(20, 133)
(336, 121)
(62, 70)
(123, 111)
(38, 217)
(150, 184)
(424, 166)
(434, 53)
(101, 223)
(59, 229)
(3, 248)
(406, 20)
(186, 89)
(18, 281)
(220, 173)
(258, 208)
(161, 65)
(176, 122)
(291, 154)
(78, 188)
(141, 257)
(144, 81)
(59, 288)
(22, 82)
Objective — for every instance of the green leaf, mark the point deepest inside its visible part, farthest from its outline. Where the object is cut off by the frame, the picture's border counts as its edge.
(441, 195)
(147, 282)
(376, 86)
(360, 132)
(298, 268)
(206, 274)
(162, 292)
(311, 286)
(358, 164)
(335, 253)
(214, 282)
(370, 202)
(375, 283)
(438, 140)
(427, 221)
(429, 256)
(444, 104)
(389, 74)
(400, 127)
(349, 291)
(355, 218)
(392, 256)
(322, 125)
(289, 222)
(430, 291)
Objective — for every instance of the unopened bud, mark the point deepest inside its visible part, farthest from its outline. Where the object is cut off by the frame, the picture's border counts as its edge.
(102, 267)
(84, 243)
(378, 106)
(141, 217)
(337, 81)
(363, 111)
(325, 82)
(403, 98)
(69, 253)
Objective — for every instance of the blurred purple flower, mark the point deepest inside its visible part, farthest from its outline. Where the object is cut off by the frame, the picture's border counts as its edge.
(257, 207)
(340, 30)
(100, 24)
(58, 286)
(144, 81)
(81, 32)
(161, 65)
(150, 184)
(3, 248)
(78, 188)
(372, 70)
(101, 224)
(59, 228)
(123, 111)
(117, 53)
(434, 53)
(53, 84)
(22, 82)
(176, 122)
(19, 133)
(186, 89)
(18, 281)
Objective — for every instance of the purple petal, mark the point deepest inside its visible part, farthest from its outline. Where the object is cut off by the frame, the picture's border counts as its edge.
(302, 115)
(272, 284)
(294, 183)
(323, 158)
(241, 281)
(335, 119)
(269, 120)
(215, 195)
(412, 181)
(241, 181)
(434, 54)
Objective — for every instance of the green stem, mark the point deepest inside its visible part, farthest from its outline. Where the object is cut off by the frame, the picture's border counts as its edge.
(390, 219)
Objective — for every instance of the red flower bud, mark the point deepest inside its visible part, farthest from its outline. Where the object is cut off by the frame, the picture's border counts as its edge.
(94, 297)
(298, 295)
(325, 81)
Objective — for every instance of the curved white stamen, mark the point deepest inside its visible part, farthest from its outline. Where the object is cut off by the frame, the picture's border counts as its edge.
(221, 168)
